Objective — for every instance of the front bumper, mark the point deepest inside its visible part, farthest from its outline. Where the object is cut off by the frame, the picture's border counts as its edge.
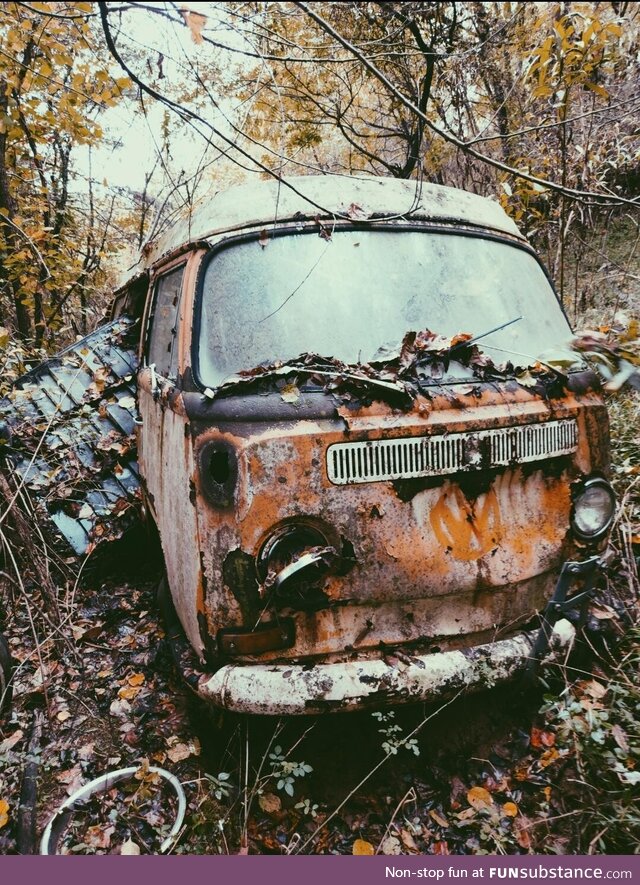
(290, 689)
(396, 678)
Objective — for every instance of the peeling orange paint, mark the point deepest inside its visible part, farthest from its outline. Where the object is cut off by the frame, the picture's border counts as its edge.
(469, 529)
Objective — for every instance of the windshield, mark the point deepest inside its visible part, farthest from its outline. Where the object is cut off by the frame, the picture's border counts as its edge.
(355, 294)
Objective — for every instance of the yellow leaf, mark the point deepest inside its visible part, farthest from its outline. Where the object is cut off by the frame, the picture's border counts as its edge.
(136, 679)
(548, 757)
(479, 798)
(4, 814)
(362, 847)
(510, 809)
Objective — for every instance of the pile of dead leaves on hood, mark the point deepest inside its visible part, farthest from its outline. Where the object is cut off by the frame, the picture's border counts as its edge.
(422, 359)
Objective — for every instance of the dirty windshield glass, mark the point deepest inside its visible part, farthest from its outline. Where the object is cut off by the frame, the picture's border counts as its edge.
(356, 293)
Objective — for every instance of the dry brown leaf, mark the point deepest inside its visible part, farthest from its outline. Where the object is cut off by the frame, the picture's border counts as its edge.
(594, 689)
(521, 830)
(4, 813)
(129, 847)
(408, 841)
(290, 393)
(128, 692)
(479, 798)
(11, 741)
(620, 737)
(441, 848)
(99, 836)
(438, 818)
(136, 679)
(179, 752)
(195, 21)
(270, 803)
(360, 846)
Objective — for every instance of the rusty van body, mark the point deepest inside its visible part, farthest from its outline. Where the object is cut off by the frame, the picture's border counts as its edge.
(357, 503)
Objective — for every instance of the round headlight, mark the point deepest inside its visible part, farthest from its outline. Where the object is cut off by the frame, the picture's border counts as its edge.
(593, 509)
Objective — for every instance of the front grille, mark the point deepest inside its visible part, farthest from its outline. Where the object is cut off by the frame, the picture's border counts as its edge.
(380, 460)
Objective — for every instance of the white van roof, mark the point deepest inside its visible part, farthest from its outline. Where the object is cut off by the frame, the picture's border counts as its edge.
(262, 204)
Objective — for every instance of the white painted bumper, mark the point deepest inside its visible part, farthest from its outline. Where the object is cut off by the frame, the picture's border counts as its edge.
(289, 689)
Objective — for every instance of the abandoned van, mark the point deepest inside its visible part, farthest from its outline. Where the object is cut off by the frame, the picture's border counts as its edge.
(367, 487)
(368, 484)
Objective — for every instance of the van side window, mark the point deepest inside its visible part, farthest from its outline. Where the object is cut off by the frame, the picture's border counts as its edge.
(163, 338)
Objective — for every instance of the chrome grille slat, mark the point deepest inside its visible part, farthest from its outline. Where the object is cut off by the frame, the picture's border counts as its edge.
(380, 460)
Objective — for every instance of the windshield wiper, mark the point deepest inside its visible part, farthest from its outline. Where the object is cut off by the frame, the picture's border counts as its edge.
(484, 335)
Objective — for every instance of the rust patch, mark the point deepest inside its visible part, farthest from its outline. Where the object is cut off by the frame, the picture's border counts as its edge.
(239, 575)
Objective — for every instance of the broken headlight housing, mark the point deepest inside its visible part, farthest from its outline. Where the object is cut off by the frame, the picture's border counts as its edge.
(594, 508)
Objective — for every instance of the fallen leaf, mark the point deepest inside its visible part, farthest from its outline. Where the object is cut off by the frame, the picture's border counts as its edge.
(129, 847)
(548, 757)
(390, 846)
(521, 831)
(270, 803)
(182, 751)
(136, 679)
(479, 798)
(526, 379)
(128, 692)
(441, 848)
(63, 715)
(86, 752)
(510, 809)
(540, 738)
(99, 836)
(120, 708)
(408, 841)
(362, 847)
(438, 818)
(11, 741)
(290, 393)
(620, 737)
(594, 689)
(4, 813)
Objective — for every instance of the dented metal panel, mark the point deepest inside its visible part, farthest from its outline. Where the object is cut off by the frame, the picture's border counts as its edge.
(71, 440)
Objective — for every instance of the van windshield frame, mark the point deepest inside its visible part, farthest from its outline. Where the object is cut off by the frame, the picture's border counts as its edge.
(325, 234)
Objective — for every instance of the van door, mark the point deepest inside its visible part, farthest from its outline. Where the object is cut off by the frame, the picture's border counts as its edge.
(165, 452)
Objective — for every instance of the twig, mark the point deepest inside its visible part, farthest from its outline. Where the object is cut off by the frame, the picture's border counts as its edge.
(26, 822)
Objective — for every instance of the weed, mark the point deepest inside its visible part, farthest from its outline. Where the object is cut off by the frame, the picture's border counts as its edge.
(393, 735)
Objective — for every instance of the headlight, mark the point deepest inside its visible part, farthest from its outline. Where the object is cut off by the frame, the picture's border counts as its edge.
(593, 509)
